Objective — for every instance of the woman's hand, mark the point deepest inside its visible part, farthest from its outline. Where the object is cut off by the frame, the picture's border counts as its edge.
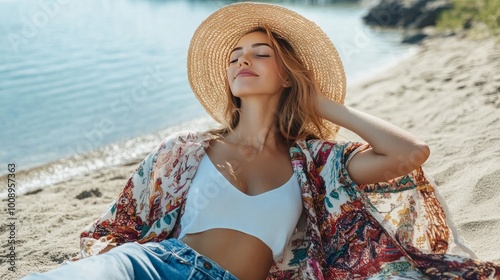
(394, 152)
(107, 248)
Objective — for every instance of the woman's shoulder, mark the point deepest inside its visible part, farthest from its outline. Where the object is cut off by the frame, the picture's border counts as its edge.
(186, 136)
(181, 138)
(176, 143)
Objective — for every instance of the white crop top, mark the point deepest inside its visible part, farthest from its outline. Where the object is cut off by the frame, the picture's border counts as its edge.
(213, 202)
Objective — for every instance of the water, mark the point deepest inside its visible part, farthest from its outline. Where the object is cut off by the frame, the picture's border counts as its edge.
(89, 84)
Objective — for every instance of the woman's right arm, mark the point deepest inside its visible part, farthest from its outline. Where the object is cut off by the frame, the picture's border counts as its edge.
(125, 218)
(109, 247)
(141, 204)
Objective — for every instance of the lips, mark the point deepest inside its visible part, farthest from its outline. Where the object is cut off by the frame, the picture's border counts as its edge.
(246, 73)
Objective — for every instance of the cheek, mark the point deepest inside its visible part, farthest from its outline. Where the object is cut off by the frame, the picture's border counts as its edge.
(231, 72)
(273, 67)
(277, 73)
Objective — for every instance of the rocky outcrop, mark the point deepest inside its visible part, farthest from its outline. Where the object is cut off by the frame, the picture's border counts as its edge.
(414, 38)
(406, 13)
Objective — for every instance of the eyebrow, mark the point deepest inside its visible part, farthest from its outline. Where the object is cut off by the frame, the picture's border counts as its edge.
(253, 46)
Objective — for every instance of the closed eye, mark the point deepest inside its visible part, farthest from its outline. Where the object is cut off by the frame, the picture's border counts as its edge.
(258, 55)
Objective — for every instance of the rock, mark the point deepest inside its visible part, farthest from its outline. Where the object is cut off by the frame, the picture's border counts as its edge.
(414, 38)
(468, 23)
(86, 194)
(430, 13)
(406, 13)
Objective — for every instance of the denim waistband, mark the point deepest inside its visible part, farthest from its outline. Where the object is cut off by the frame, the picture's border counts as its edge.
(200, 262)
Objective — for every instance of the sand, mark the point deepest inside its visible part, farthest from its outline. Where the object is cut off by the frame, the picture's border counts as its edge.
(447, 94)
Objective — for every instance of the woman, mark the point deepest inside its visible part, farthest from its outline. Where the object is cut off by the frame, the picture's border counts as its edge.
(266, 195)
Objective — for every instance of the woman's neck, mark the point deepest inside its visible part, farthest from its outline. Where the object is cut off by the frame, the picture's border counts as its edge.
(257, 126)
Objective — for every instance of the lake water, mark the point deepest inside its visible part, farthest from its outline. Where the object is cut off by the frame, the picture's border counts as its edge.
(71, 77)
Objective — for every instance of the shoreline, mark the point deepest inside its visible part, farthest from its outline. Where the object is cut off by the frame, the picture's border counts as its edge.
(113, 155)
(446, 94)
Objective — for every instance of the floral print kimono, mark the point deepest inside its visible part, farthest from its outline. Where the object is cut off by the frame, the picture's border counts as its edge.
(391, 229)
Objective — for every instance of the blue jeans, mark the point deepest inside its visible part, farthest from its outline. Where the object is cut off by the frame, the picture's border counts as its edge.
(169, 259)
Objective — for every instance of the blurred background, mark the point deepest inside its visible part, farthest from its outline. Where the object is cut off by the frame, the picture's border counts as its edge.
(90, 84)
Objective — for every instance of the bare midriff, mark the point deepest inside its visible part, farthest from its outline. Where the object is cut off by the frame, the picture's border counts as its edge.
(245, 256)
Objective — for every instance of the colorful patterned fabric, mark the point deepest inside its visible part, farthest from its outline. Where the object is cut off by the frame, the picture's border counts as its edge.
(396, 228)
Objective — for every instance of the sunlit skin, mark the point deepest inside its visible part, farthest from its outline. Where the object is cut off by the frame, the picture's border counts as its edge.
(253, 70)
(259, 86)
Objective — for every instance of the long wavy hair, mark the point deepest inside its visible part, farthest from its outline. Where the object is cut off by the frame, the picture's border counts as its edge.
(296, 115)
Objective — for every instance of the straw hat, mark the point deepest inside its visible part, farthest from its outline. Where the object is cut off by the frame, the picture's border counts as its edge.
(214, 39)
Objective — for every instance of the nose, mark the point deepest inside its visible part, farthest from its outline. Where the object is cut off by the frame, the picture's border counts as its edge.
(244, 60)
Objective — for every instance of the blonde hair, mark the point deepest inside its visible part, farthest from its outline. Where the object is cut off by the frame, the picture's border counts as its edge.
(296, 115)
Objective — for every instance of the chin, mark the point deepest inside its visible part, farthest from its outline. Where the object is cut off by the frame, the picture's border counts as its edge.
(243, 93)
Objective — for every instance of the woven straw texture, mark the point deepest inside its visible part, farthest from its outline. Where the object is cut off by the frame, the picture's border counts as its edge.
(214, 39)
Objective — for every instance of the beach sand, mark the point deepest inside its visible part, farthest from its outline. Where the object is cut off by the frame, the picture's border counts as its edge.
(447, 94)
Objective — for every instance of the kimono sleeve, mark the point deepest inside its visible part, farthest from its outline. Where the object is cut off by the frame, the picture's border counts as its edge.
(336, 158)
(126, 218)
(411, 211)
(408, 207)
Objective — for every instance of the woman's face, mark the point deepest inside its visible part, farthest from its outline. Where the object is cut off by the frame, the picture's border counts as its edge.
(252, 67)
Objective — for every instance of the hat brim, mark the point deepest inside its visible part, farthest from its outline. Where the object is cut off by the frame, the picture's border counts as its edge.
(216, 36)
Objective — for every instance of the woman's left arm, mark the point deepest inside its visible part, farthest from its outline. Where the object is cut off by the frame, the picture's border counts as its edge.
(394, 152)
